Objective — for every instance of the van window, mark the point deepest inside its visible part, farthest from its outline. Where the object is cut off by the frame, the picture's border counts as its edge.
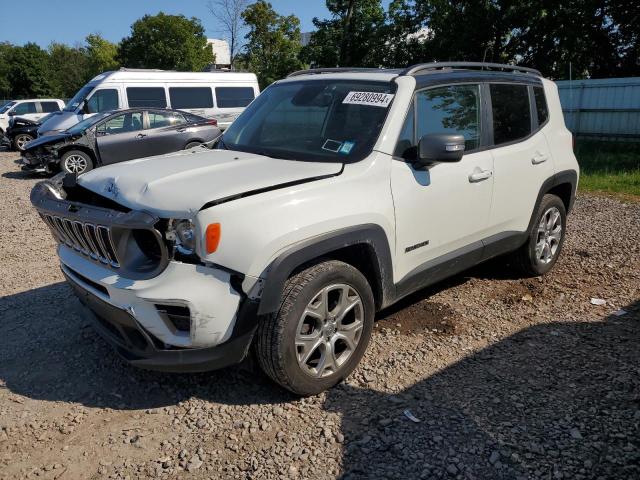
(103, 101)
(453, 109)
(25, 107)
(48, 107)
(146, 97)
(233, 97)
(511, 113)
(191, 97)
(541, 105)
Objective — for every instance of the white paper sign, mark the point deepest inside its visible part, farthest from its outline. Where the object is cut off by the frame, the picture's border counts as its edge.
(372, 99)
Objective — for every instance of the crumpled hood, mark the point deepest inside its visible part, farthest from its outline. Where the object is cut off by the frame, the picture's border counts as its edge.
(178, 185)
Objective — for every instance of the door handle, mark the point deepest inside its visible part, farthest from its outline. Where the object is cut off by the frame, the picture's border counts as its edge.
(480, 175)
(539, 158)
(141, 135)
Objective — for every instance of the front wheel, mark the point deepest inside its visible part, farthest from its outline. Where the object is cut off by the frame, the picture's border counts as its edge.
(546, 237)
(76, 162)
(320, 331)
(21, 140)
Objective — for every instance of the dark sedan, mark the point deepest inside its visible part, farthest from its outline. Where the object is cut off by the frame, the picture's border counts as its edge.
(21, 131)
(117, 136)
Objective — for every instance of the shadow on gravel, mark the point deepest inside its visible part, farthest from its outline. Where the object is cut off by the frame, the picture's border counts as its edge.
(560, 400)
(20, 175)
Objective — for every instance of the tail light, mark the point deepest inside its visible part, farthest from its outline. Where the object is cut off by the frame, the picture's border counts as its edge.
(213, 122)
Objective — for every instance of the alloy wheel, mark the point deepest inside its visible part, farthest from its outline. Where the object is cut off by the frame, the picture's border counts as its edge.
(22, 140)
(75, 164)
(549, 235)
(329, 330)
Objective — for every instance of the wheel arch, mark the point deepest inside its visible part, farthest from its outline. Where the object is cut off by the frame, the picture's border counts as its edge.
(81, 148)
(562, 184)
(365, 247)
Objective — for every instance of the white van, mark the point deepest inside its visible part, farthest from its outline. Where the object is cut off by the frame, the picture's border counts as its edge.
(31, 109)
(219, 95)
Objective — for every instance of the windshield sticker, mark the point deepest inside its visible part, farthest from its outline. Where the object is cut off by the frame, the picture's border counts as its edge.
(346, 148)
(372, 99)
(332, 146)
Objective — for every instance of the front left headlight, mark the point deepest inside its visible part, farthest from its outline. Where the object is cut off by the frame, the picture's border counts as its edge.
(184, 233)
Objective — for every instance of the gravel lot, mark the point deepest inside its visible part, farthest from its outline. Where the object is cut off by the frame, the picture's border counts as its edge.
(507, 378)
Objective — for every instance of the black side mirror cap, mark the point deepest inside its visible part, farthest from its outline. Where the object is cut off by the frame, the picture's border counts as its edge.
(439, 148)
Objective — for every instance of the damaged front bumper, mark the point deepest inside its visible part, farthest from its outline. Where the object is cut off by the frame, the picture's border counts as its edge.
(189, 318)
(43, 163)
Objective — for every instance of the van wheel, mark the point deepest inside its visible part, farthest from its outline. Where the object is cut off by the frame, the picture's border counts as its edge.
(320, 331)
(76, 162)
(546, 237)
(21, 140)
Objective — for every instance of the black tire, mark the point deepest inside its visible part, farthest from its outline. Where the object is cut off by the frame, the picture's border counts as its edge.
(275, 344)
(529, 260)
(191, 145)
(73, 160)
(20, 140)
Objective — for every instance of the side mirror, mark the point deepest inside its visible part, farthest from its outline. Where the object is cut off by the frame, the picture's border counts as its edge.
(440, 147)
(84, 107)
(12, 113)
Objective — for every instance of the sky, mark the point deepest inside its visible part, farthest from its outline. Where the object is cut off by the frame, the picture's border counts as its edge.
(70, 21)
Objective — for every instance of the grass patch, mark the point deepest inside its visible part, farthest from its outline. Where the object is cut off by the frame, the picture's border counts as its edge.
(610, 167)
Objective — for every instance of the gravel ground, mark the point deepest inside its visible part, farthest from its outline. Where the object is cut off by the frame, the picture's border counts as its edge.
(502, 378)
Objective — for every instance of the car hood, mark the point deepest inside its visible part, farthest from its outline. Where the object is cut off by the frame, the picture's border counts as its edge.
(59, 122)
(178, 185)
(47, 140)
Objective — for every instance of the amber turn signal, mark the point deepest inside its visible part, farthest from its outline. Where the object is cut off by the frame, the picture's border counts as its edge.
(213, 237)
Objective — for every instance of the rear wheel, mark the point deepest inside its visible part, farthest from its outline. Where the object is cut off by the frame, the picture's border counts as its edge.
(546, 237)
(76, 162)
(321, 329)
(21, 140)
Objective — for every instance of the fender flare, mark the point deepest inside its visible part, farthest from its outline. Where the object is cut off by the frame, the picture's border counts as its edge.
(370, 235)
(565, 176)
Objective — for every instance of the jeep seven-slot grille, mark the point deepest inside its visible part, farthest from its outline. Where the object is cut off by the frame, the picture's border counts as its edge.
(92, 240)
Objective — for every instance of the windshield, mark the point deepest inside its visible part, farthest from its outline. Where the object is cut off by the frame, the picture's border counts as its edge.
(75, 102)
(317, 120)
(80, 127)
(7, 106)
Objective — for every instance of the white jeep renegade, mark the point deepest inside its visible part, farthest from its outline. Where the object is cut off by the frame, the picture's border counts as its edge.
(336, 193)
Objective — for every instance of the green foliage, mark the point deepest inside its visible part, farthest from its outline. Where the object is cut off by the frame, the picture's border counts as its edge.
(612, 167)
(67, 70)
(169, 42)
(28, 71)
(102, 55)
(273, 43)
(353, 36)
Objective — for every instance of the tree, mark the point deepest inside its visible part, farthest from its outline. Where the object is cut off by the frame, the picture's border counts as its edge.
(351, 37)
(102, 55)
(28, 72)
(228, 15)
(273, 43)
(68, 69)
(6, 50)
(169, 42)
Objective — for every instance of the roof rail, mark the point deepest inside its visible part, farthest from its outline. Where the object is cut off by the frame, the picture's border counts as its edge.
(315, 71)
(423, 67)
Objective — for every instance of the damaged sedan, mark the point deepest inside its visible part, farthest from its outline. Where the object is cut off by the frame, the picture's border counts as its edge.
(117, 136)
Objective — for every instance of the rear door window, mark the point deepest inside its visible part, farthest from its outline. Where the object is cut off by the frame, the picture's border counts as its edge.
(511, 112)
(234, 97)
(103, 100)
(191, 97)
(25, 108)
(146, 97)
(165, 119)
(48, 107)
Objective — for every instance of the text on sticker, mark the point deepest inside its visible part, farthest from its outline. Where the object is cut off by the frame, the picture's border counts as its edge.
(369, 98)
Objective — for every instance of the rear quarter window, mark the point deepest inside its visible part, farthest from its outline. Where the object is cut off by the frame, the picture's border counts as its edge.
(234, 97)
(511, 112)
(541, 105)
(146, 97)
